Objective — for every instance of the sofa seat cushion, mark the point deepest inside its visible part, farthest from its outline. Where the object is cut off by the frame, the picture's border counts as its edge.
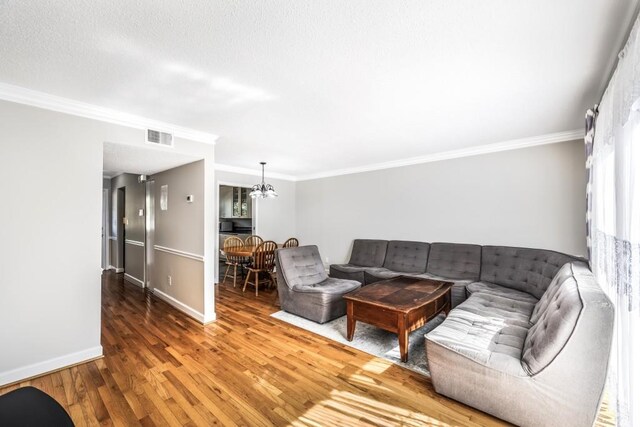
(493, 289)
(508, 311)
(486, 336)
(330, 286)
(458, 290)
(347, 272)
(372, 275)
(348, 268)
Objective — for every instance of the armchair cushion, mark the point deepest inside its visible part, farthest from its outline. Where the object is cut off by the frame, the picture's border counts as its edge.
(329, 286)
(301, 266)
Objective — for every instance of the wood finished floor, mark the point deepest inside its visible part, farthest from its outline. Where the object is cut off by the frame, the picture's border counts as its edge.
(163, 368)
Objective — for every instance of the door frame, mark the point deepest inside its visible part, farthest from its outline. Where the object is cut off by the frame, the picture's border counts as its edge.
(254, 220)
(106, 229)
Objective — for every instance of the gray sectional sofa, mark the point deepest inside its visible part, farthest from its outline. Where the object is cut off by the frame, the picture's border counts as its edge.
(529, 338)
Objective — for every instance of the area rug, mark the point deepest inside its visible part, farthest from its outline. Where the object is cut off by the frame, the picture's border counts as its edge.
(370, 339)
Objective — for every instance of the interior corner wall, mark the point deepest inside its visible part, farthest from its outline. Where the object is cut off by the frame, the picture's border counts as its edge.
(533, 197)
(133, 233)
(179, 237)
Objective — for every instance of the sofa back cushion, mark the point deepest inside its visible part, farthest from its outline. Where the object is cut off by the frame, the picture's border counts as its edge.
(548, 297)
(555, 323)
(368, 253)
(455, 261)
(301, 266)
(406, 257)
(524, 269)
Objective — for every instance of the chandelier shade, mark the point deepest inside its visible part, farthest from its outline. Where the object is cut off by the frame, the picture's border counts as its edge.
(262, 190)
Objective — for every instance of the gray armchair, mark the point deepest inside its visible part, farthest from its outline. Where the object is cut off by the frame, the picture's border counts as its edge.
(305, 289)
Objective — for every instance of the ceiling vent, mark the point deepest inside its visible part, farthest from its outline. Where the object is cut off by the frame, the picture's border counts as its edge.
(159, 138)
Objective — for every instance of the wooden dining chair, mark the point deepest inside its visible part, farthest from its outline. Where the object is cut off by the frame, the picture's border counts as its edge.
(291, 243)
(264, 261)
(231, 243)
(253, 240)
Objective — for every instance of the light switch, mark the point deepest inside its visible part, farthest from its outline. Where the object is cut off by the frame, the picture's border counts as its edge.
(190, 198)
(140, 212)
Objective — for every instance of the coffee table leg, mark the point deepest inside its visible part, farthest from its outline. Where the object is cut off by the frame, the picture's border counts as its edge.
(403, 337)
(351, 322)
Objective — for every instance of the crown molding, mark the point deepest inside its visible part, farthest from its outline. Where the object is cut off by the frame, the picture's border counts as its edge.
(253, 172)
(47, 101)
(515, 144)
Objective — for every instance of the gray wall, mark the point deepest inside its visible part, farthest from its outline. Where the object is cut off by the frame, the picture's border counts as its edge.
(132, 260)
(181, 229)
(529, 197)
(51, 170)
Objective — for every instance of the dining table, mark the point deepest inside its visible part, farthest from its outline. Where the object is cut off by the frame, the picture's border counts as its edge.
(243, 251)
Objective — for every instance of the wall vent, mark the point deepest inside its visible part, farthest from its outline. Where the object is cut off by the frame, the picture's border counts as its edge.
(159, 138)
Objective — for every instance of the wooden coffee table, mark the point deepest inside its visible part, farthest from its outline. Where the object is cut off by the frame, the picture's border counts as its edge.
(398, 305)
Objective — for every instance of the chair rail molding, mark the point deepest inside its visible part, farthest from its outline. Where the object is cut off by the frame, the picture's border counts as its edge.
(177, 252)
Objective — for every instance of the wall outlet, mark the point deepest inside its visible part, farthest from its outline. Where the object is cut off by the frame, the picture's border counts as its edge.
(170, 280)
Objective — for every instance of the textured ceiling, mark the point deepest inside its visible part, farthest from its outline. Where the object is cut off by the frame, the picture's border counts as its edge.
(119, 158)
(310, 86)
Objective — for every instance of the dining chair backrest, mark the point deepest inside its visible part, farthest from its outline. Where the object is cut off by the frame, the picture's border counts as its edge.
(230, 243)
(253, 240)
(264, 257)
(291, 243)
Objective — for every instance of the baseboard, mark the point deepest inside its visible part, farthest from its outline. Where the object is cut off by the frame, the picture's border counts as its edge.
(55, 364)
(129, 278)
(116, 269)
(189, 311)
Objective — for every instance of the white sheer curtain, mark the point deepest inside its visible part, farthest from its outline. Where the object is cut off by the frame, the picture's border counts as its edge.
(614, 222)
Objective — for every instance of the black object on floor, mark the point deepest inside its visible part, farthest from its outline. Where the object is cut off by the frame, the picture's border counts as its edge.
(28, 406)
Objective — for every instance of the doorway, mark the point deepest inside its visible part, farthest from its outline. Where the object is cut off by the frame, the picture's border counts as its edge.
(105, 229)
(121, 220)
(237, 216)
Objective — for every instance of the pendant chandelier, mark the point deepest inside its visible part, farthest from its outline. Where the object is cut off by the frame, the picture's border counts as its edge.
(263, 190)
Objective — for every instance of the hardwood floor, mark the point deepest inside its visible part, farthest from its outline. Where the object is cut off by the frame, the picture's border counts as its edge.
(163, 368)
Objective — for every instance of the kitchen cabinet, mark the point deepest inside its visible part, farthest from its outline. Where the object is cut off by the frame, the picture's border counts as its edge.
(235, 202)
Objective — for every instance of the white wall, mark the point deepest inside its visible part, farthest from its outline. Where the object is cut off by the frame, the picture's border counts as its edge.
(532, 197)
(51, 182)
